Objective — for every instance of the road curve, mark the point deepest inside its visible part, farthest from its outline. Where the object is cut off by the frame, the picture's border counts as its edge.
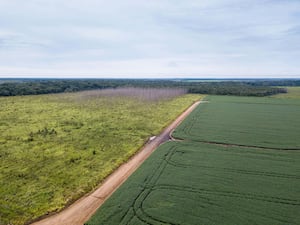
(81, 210)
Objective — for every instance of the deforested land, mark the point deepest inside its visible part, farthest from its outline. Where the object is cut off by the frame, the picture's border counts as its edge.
(55, 148)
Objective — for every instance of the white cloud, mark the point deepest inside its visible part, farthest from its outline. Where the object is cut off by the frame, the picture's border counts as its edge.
(143, 38)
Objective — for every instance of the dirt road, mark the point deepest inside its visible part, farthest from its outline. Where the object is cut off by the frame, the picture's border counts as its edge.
(80, 211)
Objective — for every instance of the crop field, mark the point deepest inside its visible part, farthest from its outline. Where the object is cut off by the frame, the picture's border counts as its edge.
(55, 148)
(245, 121)
(195, 182)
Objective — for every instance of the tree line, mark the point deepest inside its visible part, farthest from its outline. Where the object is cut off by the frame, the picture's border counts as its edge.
(240, 88)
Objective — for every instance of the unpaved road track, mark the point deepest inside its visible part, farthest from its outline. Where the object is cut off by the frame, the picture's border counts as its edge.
(81, 210)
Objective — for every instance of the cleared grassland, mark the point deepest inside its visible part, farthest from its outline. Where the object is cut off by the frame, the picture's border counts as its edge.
(248, 121)
(55, 148)
(196, 183)
(293, 93)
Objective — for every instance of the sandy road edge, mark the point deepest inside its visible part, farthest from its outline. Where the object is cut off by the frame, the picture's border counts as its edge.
(81, 210)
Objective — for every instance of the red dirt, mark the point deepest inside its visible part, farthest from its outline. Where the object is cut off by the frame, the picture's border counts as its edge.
(81, 210)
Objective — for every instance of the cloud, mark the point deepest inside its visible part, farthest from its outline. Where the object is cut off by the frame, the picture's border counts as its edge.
(150, 38)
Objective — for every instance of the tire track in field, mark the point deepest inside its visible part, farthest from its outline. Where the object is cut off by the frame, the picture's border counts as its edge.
(240, 145)
(230, 144)
(148, 187)
(226, 194)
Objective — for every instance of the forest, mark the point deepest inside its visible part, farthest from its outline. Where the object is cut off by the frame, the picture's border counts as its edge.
(225, 87)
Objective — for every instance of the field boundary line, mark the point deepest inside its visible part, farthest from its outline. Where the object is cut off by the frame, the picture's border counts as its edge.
(81, 210)
(232, 144)
(236, 145)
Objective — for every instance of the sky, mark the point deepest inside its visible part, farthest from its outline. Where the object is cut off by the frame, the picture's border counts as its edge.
(150, 38)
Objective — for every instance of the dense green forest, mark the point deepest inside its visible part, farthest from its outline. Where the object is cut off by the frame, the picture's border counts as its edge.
(13, 87)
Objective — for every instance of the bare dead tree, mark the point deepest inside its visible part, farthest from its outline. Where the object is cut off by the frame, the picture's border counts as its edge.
(142, 94)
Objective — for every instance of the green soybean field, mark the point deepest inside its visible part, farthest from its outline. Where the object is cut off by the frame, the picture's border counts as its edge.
(245, 121)
(234, 163)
